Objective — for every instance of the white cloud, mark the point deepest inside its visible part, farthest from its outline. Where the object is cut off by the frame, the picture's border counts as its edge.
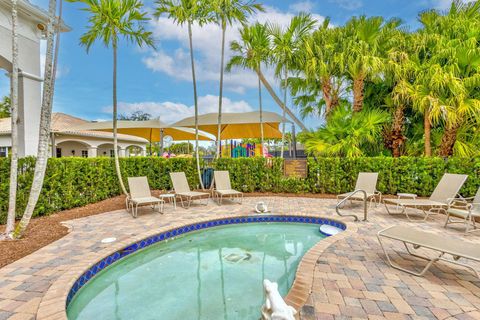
(170, 112)
(348, 4)
(207, 42)
(302, 6)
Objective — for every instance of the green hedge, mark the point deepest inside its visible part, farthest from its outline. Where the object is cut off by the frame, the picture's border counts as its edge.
(73, 182)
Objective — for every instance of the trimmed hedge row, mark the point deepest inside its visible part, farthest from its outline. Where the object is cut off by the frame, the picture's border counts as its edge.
(74, 182)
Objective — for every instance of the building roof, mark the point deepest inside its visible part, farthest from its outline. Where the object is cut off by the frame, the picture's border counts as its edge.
(61, 124)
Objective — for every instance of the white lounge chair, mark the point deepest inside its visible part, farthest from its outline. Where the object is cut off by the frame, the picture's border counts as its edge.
(140, 195)
(223, 187)
(439, 244)
(182, 189)
(445, 192)
(367, 182)
(465, 211)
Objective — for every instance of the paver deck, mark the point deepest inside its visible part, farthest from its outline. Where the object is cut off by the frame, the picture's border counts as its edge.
(350, 277)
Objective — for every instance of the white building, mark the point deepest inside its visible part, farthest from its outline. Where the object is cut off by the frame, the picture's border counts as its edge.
(73, 143)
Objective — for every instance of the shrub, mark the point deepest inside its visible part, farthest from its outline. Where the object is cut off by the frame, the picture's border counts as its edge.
(73, 182)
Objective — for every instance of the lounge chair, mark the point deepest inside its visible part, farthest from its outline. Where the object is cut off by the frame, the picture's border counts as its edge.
(445, 192)
(466, 210)
(367, 182)
(439, 244)
(182, 189)
(140, 195)
(223, 187)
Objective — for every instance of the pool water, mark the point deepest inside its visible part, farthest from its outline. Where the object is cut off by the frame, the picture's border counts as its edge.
(211, 274)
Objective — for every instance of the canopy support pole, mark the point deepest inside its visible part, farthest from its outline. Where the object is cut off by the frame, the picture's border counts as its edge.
(294, 142)
(161, 141)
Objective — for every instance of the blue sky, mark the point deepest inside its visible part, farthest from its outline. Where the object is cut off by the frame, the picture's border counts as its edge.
(159, 82)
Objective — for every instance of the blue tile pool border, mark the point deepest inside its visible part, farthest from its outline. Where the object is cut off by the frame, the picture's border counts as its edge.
(169, 234)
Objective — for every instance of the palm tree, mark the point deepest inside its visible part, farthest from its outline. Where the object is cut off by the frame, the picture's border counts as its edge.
(321, 62)
(286, 44)
(188, 12)
(347, 134)
(365, 38)
(45, 120)
(226, 13)
(109, 21)
(250, 53)
(12, 198)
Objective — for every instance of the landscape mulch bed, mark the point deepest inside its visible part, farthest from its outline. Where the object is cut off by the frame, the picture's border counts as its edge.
(45, 230)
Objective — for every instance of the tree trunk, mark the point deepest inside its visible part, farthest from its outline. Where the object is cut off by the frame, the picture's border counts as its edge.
(260, 105)
(12, 198)
(44, 132)
(358, 86)
(195, 99)
(284, 118)
(115, 112)
(397, 131)
(448, 141)
(220, 96)
(427, 133)
(279, 102)
(327, 95)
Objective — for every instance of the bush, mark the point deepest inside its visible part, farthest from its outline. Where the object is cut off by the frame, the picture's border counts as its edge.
(74, 182)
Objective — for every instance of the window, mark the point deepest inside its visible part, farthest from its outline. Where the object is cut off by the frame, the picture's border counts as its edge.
(59, 152)
(3, 151)
(85, 153)
(112, 154)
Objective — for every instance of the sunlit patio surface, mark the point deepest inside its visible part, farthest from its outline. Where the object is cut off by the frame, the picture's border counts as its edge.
(350, 276)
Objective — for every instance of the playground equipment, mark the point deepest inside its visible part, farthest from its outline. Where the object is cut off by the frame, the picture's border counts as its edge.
(243, 150)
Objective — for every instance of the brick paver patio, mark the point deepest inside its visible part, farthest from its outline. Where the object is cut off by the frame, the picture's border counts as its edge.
(350, 277)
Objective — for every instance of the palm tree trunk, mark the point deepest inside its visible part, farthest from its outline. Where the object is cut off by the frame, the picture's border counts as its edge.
(283, 113)
(195, 99)
(260, 105)
(327, 95)
(220, 96)
(448, 141)
(279, 102)
(12, 198)
(115, 111)
(44, 132)
(427, 132)
(358, 86)
(397, 131)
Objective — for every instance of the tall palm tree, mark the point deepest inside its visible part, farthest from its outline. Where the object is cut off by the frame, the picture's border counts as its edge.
(252, 50)
(12, 198)
(188, 12)
(322, 63)
(286, 43)
(226, 13)
(365, 38)
(111, 20)
(45, 120)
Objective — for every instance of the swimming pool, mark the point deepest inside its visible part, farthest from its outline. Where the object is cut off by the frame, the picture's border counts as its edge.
(214, 273)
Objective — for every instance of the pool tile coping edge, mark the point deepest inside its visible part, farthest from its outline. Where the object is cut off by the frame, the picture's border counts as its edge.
(53, 303)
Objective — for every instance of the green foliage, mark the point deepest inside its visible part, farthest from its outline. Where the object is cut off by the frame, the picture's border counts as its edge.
(5, 107)
(74, 182)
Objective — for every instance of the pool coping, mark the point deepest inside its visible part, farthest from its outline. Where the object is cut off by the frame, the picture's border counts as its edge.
(54, 302)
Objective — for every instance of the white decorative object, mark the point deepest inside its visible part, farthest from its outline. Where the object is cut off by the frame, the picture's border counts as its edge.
(261, 207)
(109, 240)
(275, 307)
(329, 230)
